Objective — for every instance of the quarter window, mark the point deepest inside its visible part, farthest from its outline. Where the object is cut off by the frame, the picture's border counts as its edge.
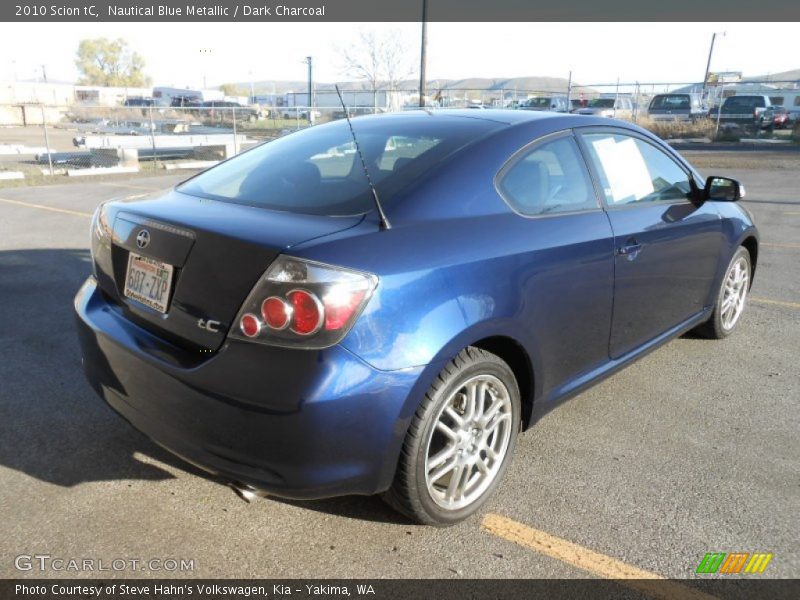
(634, 171)
(551, 178)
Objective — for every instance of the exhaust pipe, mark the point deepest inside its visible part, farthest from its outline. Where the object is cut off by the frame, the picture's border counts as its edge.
(246, 492)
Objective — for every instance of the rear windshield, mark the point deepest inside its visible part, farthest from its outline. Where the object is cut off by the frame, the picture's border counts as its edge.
(602, 103)
(317, 170)
(670, 102)
(742, 104)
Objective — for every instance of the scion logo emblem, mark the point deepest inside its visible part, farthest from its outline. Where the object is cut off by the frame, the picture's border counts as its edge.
(143, 238)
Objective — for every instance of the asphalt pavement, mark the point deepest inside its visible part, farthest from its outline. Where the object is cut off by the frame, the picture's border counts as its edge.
(694, 449)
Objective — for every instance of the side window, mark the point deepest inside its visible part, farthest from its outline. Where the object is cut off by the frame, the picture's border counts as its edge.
(551, 178)
(634, 171)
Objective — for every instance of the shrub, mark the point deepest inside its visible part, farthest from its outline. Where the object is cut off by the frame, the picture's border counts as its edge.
(702, 128)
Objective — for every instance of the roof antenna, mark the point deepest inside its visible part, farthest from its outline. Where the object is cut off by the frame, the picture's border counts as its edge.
(384, 221)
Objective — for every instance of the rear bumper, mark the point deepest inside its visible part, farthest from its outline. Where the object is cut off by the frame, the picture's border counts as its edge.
(294, 423)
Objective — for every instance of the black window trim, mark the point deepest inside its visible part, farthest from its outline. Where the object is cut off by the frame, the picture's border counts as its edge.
(691, 174)
(520, 154)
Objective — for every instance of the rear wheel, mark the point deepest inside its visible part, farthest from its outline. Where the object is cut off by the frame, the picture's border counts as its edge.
(731, 298)
(460, 441)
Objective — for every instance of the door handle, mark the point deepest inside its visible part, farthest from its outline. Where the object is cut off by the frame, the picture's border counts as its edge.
(630, 249)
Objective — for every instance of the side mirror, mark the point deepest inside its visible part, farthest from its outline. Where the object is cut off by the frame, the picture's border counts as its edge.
(723, 189)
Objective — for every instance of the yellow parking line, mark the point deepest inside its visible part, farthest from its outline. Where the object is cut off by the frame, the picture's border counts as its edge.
(775, 302)
(792, 212)
(50, 208)
(648, 583)
(773, 245)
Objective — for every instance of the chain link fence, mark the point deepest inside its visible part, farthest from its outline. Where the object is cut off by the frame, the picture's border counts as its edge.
(41, 141)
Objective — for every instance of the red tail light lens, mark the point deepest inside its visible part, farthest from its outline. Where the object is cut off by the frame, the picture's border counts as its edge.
(304, 304)
(308, 312)
(276, 312)
(250, 325)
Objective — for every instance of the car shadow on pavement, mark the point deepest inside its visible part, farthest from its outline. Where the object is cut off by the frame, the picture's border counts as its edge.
(361, 508)
(52, 425)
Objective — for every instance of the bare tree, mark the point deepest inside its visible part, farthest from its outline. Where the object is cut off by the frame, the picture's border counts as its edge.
(381, 61)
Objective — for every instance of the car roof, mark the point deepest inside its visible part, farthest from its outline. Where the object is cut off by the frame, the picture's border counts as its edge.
(507, 116)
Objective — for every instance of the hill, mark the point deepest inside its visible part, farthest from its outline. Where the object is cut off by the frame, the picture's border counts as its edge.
(793, 75)
(530, 84)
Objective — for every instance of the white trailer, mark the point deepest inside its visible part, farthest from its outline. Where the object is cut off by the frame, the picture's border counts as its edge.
(164, 96)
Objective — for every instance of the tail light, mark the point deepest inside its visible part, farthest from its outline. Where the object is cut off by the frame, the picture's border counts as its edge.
(100, 227)
(304, 304)
(100, 237)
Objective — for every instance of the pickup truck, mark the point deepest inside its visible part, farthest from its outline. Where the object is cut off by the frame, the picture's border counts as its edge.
(754, 111)
(676, 107)
(551, 103)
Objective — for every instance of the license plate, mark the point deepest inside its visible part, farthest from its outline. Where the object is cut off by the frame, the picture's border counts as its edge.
(148, 281)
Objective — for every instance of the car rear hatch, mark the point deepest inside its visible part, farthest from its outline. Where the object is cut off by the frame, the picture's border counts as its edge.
(206, 254)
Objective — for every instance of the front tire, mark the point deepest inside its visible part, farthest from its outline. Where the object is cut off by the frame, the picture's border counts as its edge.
(731, 297)
(460, 441)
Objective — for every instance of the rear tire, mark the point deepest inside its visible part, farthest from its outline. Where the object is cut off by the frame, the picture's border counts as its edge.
(731, 297)
(460, 441)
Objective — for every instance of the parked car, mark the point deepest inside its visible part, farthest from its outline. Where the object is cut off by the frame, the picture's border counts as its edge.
(676, 107)
(747, 111)
(144, 102)
(296, 112)
(616, 107)
(185, 101)
(782, 118)
(266, 321)
(551, 103)
(225, 110)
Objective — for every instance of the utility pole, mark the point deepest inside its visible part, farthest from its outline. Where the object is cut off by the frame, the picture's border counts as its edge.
(206, 55)
(708, 63)
(423, 52)
(44, 73)
(569, 92)
(309, 62)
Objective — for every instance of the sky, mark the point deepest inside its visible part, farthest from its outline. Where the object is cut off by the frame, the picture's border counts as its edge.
(594, 52)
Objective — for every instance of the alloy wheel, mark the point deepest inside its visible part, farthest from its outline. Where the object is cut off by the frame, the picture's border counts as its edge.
(736, 285)
(469, 442)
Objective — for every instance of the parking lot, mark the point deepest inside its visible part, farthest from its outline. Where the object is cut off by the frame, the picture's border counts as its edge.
(694, 449)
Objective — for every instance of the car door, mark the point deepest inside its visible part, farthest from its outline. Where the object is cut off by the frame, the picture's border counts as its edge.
(666, 245)
(566, 272)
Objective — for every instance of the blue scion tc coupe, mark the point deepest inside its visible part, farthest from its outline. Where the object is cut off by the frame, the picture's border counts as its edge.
(318, 317)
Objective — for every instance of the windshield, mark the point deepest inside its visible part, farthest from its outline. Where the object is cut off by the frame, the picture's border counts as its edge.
(670, 102)
(601, 103)
(317, 170)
